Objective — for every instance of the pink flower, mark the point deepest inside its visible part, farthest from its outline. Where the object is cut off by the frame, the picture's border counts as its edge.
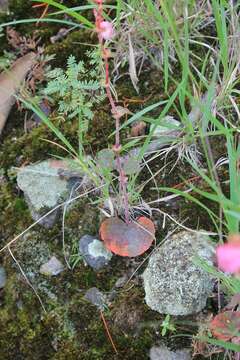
(106, 30)
(228, 255)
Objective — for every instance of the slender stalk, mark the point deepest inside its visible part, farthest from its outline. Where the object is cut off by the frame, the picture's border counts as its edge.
(98, 13)
(108, 332)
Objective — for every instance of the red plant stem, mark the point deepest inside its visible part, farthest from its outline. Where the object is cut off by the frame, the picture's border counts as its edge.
(117, 147)
(108, 332)
(46, 6)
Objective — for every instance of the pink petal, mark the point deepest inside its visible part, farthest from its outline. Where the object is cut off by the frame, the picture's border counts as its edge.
(107, 31)
(228, 257)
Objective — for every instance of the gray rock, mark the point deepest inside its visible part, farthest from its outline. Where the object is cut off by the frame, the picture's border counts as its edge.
(168, 124)
(173, 284)
(162, 353)
(48, 221)
(52, 268)
(44, 189)
(96, 297)
(94, 252)
(3, 277)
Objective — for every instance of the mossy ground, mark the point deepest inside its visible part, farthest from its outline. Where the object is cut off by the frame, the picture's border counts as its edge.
(71, 328)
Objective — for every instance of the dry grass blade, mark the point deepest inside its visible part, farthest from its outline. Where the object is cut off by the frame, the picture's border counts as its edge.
(25, 277)
(132, 65)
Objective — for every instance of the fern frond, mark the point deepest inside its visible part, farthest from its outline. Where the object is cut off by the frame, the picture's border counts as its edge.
(76, 89)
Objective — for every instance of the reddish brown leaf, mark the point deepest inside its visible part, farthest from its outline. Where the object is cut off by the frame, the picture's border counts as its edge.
(127, 239)
(226, 325)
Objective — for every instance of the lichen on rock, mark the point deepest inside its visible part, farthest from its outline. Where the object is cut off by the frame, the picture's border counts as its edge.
(94, 252)
(43, 189)
(173, 283)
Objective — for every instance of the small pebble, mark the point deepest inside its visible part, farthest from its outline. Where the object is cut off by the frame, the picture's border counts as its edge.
(96, 297)
(52, 268)
(121, 281)
(3, 277)
(163, 353)
(94, 252)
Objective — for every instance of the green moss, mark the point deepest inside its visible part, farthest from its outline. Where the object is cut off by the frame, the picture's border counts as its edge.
(21, 331)
(13, 213)
(20, 205)
(76, 43)
(21, 9)
(83, 217)
(31, 147)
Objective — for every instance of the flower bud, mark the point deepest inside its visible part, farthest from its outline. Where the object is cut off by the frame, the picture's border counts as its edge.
(106, 30)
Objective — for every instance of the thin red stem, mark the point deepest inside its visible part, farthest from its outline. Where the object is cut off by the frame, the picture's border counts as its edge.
(108, 332)
(105, 55)
(46, 6)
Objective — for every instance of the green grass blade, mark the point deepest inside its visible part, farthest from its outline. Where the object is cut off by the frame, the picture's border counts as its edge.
(141, 113)
(51, 126)
(68, 11)
(37, 20)
(221, 343)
